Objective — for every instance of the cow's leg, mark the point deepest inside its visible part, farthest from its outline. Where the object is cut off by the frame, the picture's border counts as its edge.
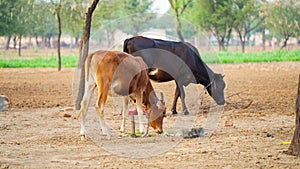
(89, 89)
(139, 101)
(124, 112)
(182, 96)
(176, 95)
(102, 96)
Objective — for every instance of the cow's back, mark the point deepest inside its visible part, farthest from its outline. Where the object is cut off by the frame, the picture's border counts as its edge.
(183, 50)
(122, 72)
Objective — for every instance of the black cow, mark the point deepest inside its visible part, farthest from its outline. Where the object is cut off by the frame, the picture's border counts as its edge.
(168, 60)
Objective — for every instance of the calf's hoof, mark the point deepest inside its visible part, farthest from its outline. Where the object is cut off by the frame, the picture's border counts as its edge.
(145, 135)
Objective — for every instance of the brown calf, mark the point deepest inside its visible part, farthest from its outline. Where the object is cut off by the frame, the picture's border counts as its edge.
(124, 75)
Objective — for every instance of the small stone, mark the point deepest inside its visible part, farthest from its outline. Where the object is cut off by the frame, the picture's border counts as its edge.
(66, 115)
(228, 123)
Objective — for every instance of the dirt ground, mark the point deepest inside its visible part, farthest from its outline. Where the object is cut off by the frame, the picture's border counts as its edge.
(34, 134)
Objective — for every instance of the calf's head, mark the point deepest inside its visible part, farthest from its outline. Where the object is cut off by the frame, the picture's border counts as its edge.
(157, 114)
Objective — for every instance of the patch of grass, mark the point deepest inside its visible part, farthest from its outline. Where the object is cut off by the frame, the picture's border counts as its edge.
(238, 57)
(138, 133)
(216, 57)
(40, 62)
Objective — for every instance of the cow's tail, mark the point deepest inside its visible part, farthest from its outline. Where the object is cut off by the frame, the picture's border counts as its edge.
(86, 78)
(88, 66)
(125, 48)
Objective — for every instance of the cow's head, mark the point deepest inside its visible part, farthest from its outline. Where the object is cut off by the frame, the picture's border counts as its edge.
(216, 89)
(157, 114)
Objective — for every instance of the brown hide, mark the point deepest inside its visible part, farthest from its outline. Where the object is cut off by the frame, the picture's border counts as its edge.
(124, 75)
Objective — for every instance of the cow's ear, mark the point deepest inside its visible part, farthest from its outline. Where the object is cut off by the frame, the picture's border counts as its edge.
(223, 76)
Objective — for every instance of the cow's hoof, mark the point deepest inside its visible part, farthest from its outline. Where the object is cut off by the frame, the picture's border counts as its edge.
(186, 112)
(174, 112)
(133, 136)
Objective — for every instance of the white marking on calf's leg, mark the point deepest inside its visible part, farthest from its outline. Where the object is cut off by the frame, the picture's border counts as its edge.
(89, 89)
(124, 110)
(140, 111)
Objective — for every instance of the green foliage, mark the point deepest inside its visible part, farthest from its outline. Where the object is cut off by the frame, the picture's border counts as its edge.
(246, 18)
(7, 17)
(16, 17)
(136, 15)
(214, 16)
(73, 16)
(282, 18)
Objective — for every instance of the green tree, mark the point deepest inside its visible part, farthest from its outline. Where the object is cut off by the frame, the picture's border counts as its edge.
(106, 17)
(16, 19)
(7, 17)
(137, 15)
(44, 22)
(215, 16)
(73, 17)
(57, 8)
(179, 6)
(282, 18)
(246, 18)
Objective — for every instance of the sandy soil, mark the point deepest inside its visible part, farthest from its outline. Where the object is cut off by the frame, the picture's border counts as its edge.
(34, 133)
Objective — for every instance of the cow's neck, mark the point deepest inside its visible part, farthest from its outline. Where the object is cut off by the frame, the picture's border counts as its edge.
(149, 97)
(205, 76)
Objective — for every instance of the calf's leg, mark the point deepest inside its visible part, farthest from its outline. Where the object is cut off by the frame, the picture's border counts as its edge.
(124, 110)
(139, 101)
(89, 89)
(102, 96)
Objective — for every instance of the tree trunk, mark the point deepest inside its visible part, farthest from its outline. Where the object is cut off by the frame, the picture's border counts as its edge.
(263, 38)
(83, 52)
(242, 40)
(221, 43)
(15, 42)
(58, 39)
(207, 39)
(285, 42)
(19, 50)
(179, 28)
(294, 148)
(7, 42)
(76, 41)
(37, 41)
(221, 46)
(227, 38)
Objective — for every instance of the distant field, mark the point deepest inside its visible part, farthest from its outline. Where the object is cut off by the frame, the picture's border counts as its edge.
(217, 57)
(238, 57)
(67, 61)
